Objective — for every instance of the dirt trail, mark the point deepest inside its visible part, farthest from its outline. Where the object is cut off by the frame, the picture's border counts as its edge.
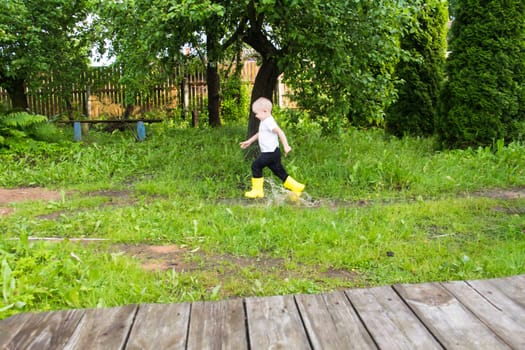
(27, 194)
(8, 196)
(23, 194)
(176, 257)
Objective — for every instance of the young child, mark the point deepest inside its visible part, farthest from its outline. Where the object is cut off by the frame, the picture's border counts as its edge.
(268, 137)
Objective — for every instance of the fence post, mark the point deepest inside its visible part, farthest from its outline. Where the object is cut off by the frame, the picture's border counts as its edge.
(195, 118)
(141, 131)
(88, 101)
(186, 92)
(77, 129)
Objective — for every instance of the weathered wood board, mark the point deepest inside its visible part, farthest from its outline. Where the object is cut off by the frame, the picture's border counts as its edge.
(392, 324)
(449, 321)
(274, 323)
(481, 314)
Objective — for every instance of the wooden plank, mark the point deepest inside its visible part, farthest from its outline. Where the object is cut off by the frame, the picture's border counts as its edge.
(389, 320)
(504, 295)
(487, 314)
(10, 326)
(448, 320)
(275, 323)
(332, 323)
(50, 330)
(218, 325)
(495, 309)
(103, 328)
(159, 326)
(513, 287)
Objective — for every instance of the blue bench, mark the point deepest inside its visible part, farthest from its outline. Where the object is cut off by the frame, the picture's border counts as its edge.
(140, 123)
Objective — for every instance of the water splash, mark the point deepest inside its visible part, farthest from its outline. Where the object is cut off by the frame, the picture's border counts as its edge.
(276, 194)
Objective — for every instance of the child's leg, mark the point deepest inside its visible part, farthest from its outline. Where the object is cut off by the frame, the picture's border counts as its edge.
(288, 181)
(276, 166)
(257, 190)
(257, 168)
(278, 169)
(271, 160)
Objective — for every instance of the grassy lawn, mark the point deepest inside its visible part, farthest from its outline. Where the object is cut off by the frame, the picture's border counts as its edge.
(165, 220)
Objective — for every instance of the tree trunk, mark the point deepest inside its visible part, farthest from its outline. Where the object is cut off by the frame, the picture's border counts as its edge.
(264, 85)
(17, 93)
(128, 111)
(69, 108)
(213, 82)
(212, 77)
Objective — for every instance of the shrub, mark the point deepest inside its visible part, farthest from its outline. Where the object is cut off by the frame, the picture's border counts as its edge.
(16, 127)
(235, 103)
(415, 110)
(483, 98)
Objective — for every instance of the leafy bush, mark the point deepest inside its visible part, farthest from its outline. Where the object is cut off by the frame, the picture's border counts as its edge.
(415, 110)
(17, 127)
(235, 103)
(483, 97)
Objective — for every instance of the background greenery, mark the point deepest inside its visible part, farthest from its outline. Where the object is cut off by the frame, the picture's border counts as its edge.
(420, 77)
(377, 210)
(363, 63)
(483, 95)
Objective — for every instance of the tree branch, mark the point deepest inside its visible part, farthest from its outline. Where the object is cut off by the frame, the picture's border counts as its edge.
(239, 32)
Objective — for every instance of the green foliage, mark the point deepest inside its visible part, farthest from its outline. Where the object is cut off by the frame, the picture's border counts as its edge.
(339, 56)
(235, 100)
(41, 37)
(482, 100)
(17, 127)
(415, 110)
(22, 120)
(157, 48)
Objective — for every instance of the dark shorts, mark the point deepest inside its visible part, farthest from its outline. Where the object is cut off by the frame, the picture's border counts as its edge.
(271, 160)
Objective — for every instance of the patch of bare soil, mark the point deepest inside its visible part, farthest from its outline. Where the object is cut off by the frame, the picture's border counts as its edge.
(27, 194)
(515, 193)
(161, 258)
(23, 194)
(15, 195)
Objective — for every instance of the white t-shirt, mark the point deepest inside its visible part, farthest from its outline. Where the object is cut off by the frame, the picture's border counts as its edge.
(268, 140)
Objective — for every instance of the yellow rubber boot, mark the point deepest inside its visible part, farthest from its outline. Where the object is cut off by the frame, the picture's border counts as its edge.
(257, 188)
(293, 185)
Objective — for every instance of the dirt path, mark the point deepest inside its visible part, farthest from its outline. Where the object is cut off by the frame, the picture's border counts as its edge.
(175, 257)
(27, 194)
(23, 194)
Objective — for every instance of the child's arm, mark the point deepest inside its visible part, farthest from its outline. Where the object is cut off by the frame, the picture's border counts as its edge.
(247, 143)
(283, 139)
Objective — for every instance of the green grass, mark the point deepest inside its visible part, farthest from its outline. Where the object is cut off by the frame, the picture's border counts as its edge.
(384, 211)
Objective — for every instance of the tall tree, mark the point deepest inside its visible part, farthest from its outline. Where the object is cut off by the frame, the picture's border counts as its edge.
(337, 55)
(483, 98)
(147, 36)
(344, 49)
(422, 75)
(41, 37)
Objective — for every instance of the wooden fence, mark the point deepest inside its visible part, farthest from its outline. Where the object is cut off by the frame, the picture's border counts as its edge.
(101, 94)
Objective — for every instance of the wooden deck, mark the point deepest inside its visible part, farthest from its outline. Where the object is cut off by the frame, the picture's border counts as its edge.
(481, 314)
